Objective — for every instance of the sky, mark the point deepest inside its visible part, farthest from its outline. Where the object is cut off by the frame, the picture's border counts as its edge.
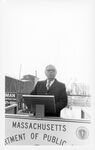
(38, 33)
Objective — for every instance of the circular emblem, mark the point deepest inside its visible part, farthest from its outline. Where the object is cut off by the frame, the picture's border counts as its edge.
(82, 133)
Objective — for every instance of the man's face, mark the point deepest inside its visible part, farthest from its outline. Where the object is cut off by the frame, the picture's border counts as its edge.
(50, 72)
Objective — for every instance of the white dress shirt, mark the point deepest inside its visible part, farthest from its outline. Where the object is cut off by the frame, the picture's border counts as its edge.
(49, 83)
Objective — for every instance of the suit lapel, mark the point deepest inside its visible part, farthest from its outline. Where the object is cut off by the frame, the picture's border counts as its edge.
(53, 85)
(45, 85)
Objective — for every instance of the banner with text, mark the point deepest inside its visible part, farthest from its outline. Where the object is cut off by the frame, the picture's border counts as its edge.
(27, 131)
(10, 96)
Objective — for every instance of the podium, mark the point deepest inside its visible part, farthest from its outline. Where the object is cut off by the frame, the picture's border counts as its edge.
(40, 105)
(40, 111)
(25, 129)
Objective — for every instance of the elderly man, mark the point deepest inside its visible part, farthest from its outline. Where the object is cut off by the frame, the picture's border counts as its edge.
(51, 86)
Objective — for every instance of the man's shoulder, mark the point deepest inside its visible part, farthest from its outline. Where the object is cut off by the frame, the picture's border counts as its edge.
(41, 82)
(60, 83)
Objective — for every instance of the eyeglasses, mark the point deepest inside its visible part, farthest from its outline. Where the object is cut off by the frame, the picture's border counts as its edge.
(53, 70)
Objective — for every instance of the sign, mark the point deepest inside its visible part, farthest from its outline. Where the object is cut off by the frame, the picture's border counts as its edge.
(25, 130)
(10, 96)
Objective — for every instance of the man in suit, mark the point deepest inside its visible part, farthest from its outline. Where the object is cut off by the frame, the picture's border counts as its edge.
(51, 86)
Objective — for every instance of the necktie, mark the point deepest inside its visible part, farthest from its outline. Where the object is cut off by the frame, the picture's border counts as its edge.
(48, 85)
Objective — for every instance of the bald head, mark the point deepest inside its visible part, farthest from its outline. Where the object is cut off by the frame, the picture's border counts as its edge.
(50, 72)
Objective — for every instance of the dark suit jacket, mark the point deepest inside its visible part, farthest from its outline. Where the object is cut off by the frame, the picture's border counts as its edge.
(57, 89)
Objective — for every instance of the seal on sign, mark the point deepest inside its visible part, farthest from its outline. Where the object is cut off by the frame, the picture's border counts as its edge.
(82, 133)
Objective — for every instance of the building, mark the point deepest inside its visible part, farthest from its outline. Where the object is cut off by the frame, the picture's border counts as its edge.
(25, 85)
(14, 88)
